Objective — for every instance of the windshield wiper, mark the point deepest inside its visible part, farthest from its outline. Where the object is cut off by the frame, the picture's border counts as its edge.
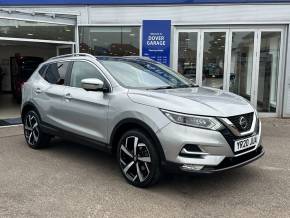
(188, 86)
(161, 87)
(174, 87)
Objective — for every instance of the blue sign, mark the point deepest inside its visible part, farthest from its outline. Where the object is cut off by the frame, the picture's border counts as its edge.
(156, 40)
(129, 2)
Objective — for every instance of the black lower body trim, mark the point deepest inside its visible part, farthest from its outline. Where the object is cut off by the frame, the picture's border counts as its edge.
(227, 164)
(235, 162)
(73, 137)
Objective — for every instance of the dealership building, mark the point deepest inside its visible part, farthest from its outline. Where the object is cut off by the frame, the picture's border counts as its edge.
(241, 46)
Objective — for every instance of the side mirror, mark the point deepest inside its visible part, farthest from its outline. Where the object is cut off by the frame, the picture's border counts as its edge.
(92, 84)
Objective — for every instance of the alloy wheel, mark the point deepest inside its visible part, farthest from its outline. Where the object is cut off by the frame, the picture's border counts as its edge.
(135, 159)
(31, 129)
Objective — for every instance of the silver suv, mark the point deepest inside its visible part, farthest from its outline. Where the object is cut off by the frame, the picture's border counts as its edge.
(149, 116)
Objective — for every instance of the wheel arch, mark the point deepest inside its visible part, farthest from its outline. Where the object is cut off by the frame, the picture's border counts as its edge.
(133, 123)
(28, 107)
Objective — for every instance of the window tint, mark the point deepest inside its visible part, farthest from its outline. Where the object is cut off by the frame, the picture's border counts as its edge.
(83, 70)
(56, 72)
(42, 70)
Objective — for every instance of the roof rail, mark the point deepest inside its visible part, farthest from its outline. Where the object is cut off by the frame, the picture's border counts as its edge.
(73, 55)
(141, 57)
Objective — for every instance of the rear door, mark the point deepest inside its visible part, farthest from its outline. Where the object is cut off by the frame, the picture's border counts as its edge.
(49, 93)
(86, 111)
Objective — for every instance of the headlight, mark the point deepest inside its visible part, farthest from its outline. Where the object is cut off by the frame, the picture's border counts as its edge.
(193, 120)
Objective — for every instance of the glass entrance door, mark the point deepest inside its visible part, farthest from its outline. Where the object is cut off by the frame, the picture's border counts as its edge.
(255, 67)
(213, 61)
(268, 71)
(187, 54)
(244, 61)
(241, 63)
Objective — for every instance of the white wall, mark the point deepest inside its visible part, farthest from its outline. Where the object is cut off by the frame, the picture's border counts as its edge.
(198, 14)
(179, 14)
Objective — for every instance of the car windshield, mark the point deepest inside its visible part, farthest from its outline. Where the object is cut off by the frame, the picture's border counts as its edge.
(143, 74)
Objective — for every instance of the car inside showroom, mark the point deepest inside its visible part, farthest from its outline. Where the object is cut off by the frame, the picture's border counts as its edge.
(233, 45)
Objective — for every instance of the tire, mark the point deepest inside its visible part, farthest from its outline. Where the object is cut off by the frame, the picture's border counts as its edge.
(34, 137)
(138, 159)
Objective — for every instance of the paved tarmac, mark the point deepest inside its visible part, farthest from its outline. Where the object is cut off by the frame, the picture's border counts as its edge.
(70, 180)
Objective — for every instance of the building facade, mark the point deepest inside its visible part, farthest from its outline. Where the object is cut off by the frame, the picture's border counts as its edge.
(236, 45)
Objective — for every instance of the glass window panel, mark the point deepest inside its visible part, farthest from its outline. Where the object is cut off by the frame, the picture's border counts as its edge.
(36, 30)
(187, 52)
(213, 59)
(242, 63)
(56, 72)
(83, 70)
(110, 41)
(268, 71)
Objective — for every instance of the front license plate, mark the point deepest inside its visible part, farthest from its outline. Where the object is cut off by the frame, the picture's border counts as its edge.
(246, 143)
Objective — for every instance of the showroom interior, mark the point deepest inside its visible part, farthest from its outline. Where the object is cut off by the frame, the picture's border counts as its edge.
(23, 46)
(241, 48)
(33, 53)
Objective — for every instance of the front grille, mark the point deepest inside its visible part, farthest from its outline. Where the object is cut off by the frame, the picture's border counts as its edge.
(231, 138)
(245, 125)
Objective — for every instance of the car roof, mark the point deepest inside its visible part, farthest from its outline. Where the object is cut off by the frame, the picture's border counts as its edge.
(124, 58)
(76, 56)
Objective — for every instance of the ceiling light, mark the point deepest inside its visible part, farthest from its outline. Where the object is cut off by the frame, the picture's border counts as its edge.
(30, 34)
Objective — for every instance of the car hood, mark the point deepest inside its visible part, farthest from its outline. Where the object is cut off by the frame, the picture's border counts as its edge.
(199, 101)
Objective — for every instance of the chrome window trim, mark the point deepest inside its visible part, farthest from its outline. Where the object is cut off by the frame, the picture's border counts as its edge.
(89, 59)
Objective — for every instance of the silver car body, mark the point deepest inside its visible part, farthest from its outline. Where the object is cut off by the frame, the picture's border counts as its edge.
(95, 115)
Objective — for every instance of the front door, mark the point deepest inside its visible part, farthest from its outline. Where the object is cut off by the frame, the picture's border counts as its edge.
(86, 111)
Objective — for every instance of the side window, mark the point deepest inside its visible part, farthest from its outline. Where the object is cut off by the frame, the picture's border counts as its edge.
(42, 70)
(83, 70)
(56, 72)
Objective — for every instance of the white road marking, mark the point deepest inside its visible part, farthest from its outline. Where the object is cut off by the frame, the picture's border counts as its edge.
(274, 168)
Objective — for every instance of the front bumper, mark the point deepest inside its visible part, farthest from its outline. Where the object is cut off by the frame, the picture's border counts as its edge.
(216, 149)
(227, 164)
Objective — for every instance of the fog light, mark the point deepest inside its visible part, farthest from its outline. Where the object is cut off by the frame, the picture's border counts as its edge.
(191, 167)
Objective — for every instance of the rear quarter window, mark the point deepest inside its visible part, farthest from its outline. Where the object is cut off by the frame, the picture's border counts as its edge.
(55, 73)
(42, 70)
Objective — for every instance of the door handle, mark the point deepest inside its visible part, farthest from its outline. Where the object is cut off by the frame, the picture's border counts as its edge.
(38, 90)
(67, 96)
